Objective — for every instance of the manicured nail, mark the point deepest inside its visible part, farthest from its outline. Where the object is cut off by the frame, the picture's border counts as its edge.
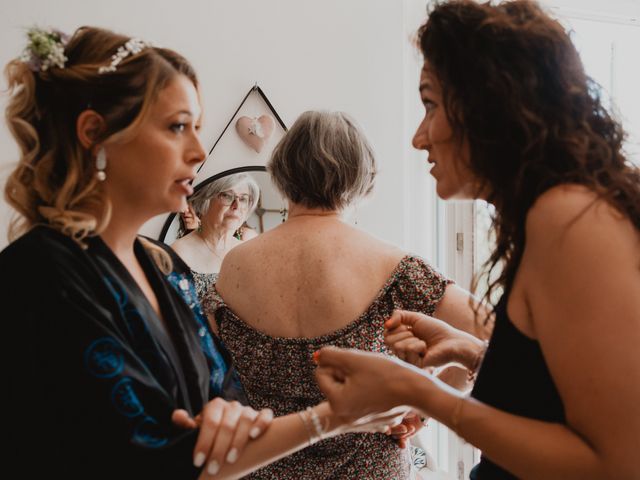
(199, 460)
(232, 456)
(255, 432)
(316, 355)
(213, 467)
(387, 323)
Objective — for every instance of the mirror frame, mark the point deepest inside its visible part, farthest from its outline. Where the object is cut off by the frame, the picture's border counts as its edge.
(213, 178)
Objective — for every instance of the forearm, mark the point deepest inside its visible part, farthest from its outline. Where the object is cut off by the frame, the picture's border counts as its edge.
(284, 436)
(455, 377)
(463, 311)
(527, 448)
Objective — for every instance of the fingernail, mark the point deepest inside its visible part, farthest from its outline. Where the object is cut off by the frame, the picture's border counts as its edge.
(199, 460)
(232, 456)
(387, 323)
(316, 354)
(255, 432)
(213, 467)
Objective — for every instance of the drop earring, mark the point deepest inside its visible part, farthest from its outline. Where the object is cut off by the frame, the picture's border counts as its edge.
(101, 164)
(284, 211)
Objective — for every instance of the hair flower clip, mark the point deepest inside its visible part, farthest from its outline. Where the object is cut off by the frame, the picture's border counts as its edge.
(45, 49)
(132, 47)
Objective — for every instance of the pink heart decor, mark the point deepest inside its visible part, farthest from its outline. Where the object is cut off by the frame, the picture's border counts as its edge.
(255, 132)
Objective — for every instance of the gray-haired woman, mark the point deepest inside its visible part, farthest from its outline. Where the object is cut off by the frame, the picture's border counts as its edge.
(223, 207)
(315, 281)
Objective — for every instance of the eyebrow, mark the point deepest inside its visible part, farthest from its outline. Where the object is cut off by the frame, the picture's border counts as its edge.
(425, 86)
(187, 112)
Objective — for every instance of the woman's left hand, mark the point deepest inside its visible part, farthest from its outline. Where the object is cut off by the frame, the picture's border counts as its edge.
(411, 424)
(358, 383)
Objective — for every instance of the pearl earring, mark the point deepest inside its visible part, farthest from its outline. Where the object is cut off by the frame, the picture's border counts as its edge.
(101, 164)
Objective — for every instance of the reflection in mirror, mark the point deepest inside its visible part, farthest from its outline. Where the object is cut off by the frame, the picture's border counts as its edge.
(224, 211)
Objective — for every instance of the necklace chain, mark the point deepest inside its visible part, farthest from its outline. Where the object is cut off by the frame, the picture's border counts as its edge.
(318, 215)
(211, 249)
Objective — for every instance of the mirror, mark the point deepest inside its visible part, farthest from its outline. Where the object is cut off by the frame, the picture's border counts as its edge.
(226, 210)
(269, 212)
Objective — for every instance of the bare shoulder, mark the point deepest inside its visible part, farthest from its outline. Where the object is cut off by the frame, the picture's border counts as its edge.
(376, 247)
(184, 248)
(570, 212)
(240, 257)
(574, 236)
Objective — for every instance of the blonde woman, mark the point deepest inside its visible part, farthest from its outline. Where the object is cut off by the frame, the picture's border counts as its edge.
(114, 373)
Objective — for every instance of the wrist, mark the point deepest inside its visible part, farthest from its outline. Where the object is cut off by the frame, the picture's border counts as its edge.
(331, 422)
(436, 400)
(411, 385)
(473, 353)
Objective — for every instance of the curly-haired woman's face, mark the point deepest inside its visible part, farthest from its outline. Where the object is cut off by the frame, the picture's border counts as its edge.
(450, 158)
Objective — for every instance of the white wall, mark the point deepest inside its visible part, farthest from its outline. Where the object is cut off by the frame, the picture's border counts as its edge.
(351, 55)
(346, 55)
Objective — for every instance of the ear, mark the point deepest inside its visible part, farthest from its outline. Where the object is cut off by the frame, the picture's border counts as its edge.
(89, 125)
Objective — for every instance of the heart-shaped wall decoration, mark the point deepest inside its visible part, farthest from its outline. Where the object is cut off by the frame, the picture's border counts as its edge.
(255, 132)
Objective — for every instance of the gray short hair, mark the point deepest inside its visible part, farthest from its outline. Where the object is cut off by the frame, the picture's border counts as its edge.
(323, 161)
(202, 198)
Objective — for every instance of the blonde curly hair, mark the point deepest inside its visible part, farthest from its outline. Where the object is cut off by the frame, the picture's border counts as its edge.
(54, 182)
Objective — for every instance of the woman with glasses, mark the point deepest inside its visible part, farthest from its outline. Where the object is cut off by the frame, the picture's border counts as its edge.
(223, 207)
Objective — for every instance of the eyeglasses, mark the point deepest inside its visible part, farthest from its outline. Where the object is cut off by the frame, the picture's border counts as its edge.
(227, 198)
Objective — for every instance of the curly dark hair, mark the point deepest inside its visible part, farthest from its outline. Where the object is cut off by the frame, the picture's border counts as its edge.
(514, 86)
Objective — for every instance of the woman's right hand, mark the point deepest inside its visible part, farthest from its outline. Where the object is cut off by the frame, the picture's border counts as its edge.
(363, 387)
(225, 429)
(425, 341)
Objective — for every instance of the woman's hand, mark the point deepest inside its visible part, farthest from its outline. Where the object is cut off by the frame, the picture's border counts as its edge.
(425, 341)
(360, 384)
(411, 424)
(225, 429)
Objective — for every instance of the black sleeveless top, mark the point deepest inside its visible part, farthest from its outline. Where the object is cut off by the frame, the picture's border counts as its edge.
(514, 377)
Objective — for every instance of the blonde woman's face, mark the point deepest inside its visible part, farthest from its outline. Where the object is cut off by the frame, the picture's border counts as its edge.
(152, 172)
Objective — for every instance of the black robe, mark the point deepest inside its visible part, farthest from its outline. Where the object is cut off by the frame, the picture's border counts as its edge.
(94, 375)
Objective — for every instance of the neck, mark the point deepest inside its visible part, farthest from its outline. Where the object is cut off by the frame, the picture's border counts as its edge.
(121, 234)
(296, 210)
(215, 238)
(126, 221)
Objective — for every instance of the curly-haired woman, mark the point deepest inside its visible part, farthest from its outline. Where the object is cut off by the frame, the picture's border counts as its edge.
(511, 117)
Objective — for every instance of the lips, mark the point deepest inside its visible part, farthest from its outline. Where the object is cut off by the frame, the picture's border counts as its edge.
(185, 184)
